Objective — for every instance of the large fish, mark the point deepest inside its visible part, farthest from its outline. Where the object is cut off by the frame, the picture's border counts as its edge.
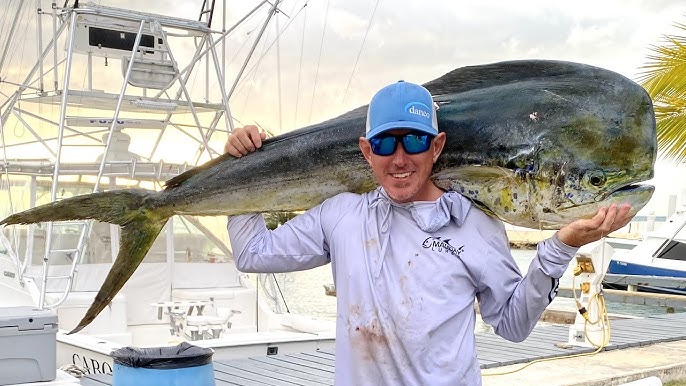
(535, 143)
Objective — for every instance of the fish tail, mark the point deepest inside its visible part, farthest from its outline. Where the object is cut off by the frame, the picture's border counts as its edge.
(137, 237)
(133, 210)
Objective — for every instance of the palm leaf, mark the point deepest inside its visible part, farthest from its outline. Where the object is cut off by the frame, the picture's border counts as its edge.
(664, 77)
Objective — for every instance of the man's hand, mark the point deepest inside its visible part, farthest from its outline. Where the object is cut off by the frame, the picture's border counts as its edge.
(244, 140)
(585, 231)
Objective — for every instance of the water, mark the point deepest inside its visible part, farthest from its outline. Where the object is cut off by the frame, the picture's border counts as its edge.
(304, 292)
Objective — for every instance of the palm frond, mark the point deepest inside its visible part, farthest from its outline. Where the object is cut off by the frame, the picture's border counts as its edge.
(664, 77)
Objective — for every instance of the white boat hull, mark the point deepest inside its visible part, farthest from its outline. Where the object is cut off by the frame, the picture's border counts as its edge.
(93, 354)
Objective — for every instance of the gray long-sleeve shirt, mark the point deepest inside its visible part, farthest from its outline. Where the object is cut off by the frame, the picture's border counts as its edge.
(406, 277)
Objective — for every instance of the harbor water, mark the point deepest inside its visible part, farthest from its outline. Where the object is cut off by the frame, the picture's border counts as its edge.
(304, 292)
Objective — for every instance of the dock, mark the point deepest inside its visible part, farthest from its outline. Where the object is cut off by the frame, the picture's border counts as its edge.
(494, 354)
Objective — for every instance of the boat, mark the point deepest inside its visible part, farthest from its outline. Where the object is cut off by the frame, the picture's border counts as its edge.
(112, 93)
(656, 263)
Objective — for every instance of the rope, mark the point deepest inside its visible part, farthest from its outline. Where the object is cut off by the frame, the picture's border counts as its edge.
(74, 370)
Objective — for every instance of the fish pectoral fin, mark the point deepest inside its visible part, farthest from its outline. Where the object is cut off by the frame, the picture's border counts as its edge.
(493, 177)
(468, 180)
(483, 207)
(484, 174)
(137, 238)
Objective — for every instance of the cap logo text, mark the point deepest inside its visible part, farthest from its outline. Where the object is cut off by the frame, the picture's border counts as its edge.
(417, 108)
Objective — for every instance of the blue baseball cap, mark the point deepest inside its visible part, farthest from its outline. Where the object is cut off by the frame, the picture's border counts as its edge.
(401, 105)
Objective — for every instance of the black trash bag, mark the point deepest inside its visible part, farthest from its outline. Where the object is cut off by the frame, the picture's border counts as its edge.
(172, 357)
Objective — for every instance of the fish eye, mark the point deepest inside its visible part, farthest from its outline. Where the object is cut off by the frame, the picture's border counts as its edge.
(596, 177)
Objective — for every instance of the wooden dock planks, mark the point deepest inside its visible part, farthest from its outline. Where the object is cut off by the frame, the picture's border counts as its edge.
(317, 368)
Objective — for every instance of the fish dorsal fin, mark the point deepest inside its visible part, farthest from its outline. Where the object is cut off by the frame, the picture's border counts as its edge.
(482, 76)
(181, 178)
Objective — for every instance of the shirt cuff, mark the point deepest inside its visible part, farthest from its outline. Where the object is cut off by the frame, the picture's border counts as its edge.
(554, 256)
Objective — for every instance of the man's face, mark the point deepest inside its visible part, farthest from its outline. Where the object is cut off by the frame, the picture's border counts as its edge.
(405, 177)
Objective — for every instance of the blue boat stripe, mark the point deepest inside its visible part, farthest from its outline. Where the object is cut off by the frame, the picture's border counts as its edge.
(624, 268)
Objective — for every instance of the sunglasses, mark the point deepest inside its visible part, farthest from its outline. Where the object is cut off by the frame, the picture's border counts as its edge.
(414, 142)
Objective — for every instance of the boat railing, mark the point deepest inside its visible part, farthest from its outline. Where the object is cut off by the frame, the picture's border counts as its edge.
(132, 169)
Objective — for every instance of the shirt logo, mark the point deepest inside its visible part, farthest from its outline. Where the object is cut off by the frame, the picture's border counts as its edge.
(438, 245)
(420, 109)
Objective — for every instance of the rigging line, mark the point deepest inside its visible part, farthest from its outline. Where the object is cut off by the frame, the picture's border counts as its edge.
(278, 68)
(253, 75)
(3, 20)
(216, 82)
(359, 53)
(282, 297)
(6, 16)
(253, 70)
(245, 42)
(255, 66)
(240, 49)
(300, 67)
(321, 45)
(8, 44)
(20, 46)
(295, 5)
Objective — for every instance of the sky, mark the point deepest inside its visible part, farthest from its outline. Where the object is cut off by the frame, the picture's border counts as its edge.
(421, 40)
(334, 54)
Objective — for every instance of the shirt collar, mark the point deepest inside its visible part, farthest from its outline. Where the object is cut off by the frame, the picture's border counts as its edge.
(430, 216)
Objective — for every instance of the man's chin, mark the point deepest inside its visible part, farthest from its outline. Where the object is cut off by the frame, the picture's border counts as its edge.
(401, 195)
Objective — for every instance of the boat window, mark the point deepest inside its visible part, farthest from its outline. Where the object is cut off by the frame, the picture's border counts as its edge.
(191, 244)
(675, 250)
(118, 40)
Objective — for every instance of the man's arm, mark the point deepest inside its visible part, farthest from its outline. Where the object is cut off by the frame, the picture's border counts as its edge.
(297, 245)
(512, 304)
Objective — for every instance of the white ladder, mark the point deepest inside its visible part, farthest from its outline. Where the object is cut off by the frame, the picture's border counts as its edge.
(76, 254)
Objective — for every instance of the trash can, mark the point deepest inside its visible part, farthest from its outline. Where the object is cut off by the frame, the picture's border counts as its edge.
(181, 365)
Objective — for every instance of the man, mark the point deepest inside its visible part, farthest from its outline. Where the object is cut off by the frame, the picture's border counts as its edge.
(409, 259)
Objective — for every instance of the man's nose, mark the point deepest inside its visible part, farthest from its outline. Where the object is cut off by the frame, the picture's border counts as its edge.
(400, 156)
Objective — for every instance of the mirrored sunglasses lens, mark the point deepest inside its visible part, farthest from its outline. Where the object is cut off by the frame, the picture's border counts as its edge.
(383, 145)
(416, 143)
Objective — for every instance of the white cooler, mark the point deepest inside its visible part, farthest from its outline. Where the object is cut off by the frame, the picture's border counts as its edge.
(27, 345)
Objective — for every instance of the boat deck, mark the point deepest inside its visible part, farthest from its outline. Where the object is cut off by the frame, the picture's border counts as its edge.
(317, 368)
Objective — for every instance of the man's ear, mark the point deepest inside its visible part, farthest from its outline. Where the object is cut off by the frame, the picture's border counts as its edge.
(366, 149)
(438, 143)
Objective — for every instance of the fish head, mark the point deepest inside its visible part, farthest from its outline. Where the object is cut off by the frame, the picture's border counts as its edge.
(594, 161)
(540, 144)
(593, 158)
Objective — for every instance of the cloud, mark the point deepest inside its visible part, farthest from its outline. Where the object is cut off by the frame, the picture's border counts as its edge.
(412, 40)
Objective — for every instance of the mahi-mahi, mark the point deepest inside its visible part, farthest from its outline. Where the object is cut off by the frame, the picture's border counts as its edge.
(535, 143)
